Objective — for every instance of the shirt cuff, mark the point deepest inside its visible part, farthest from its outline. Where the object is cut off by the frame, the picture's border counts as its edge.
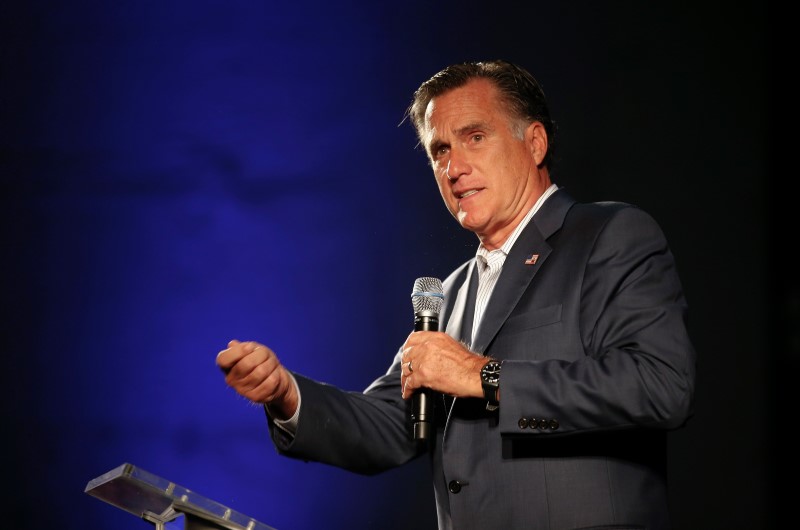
(289, 426)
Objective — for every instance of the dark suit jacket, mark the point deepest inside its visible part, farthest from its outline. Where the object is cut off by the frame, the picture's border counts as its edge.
(597, 367)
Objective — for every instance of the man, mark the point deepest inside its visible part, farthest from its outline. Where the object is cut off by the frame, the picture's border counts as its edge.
(555, 393)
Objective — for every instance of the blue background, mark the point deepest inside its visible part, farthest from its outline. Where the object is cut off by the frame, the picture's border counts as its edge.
(177, 174)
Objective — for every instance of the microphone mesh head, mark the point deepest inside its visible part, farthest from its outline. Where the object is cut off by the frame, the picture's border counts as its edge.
(427, 295)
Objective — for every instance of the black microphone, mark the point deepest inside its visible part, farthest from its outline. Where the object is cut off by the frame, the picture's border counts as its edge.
(427, 298)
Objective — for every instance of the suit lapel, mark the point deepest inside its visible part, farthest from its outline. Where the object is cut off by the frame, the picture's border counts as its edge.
(455, 295)
(527, 255)
(514, 279)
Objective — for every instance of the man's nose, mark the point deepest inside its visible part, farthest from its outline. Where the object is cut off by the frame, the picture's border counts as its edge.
(456, 166)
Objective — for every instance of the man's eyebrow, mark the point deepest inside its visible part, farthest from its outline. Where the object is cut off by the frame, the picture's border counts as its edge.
(436, 143)
(478, 125)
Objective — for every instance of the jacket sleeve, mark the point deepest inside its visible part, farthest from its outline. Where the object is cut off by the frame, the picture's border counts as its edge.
(637, 367)
(365, 433)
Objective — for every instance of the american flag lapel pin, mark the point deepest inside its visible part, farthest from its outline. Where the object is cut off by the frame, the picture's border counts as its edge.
(532, 260)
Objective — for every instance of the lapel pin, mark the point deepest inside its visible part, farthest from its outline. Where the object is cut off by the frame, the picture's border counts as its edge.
(532, 260)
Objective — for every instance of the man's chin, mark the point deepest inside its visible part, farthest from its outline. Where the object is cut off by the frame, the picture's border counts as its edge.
(466, 221)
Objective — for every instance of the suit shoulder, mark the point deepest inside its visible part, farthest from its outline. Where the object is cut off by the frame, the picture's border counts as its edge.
(609, 219)
(614, 223)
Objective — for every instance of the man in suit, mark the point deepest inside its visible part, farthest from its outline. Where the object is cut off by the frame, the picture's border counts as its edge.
(564, 359)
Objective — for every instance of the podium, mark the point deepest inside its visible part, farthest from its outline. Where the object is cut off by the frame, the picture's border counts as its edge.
(164, 503)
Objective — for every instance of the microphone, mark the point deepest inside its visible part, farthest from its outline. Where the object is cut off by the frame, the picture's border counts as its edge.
(427, 297)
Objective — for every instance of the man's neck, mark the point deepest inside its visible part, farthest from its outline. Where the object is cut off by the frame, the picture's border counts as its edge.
(499, 238)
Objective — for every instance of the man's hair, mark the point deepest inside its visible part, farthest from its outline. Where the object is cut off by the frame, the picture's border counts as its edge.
(521, 94)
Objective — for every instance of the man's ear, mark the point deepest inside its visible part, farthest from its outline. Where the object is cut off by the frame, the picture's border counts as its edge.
(536, 139)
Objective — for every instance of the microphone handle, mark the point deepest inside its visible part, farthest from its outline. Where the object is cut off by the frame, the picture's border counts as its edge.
(426, 321)
(422, 400)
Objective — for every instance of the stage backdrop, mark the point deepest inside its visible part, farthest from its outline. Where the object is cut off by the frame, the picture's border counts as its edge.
(178, 174)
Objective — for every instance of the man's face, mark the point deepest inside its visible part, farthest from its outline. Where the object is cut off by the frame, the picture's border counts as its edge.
(486, 173)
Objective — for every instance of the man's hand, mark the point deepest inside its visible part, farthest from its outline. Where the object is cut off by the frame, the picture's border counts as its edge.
(255, 372)
(433, 359)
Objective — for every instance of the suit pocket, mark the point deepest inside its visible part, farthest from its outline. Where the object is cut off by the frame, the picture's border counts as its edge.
(535, 318)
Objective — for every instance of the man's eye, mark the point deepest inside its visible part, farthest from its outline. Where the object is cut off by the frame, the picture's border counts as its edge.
(477, 137)
(442, 150)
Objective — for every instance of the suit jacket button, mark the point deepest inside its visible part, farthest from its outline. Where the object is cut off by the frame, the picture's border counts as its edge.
(454, 486)
(554, 425)
(543, 424)
(533, 424)
(522, 423)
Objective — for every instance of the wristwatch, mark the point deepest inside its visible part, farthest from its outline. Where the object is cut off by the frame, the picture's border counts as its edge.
(490, 381)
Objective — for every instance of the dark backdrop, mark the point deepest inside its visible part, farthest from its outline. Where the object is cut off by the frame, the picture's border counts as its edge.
(176, 174)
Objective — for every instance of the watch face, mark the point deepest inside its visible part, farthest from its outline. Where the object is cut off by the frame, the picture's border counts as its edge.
(490, 376)
(491, 372)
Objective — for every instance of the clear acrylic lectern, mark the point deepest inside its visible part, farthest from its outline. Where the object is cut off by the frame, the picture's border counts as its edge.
(161, 502)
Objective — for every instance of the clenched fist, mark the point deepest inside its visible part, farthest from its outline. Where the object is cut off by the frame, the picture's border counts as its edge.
(254, 371)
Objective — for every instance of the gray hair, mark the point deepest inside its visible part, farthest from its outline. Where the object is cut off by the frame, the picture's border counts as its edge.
(521, 94)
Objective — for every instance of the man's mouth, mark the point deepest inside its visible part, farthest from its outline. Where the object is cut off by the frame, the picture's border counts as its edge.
(467, 194)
